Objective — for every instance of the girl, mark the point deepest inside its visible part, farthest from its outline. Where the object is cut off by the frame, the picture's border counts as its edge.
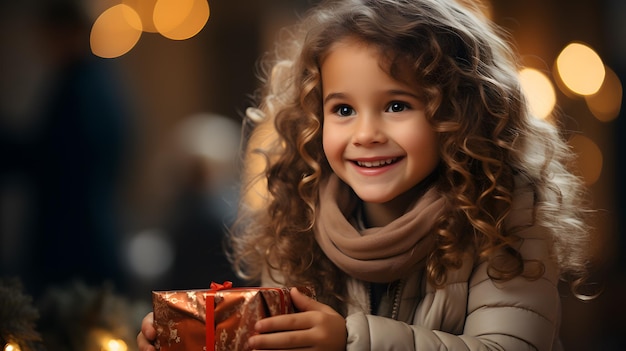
(409, 185)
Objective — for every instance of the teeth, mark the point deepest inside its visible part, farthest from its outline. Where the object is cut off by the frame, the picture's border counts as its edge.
(377, 163)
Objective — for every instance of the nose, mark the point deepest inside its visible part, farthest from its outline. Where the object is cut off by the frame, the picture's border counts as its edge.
(369, 130)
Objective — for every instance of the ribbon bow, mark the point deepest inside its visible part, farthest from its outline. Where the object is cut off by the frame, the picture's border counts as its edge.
(217, 286)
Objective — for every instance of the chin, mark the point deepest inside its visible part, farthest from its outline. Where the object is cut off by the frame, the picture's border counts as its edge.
(375, 199)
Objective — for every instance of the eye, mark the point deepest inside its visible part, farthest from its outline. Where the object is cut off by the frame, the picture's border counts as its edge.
(344, 110)
(397, 106)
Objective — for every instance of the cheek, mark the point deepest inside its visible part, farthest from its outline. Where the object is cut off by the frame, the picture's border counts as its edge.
(332, 144)
(425, 144)
(327, 143)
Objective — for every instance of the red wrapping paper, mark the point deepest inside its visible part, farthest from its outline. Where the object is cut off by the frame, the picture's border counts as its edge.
(189, 320)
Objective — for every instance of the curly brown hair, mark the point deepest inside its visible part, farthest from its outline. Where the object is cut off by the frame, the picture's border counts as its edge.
(468, 75)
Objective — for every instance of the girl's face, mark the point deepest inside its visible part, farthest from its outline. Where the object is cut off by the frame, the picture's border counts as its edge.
(376, 136)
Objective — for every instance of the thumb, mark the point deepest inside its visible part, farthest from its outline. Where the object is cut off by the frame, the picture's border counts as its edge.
(304, 303)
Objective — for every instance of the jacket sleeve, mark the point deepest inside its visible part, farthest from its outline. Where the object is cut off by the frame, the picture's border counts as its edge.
(519, 314)
(367, 332)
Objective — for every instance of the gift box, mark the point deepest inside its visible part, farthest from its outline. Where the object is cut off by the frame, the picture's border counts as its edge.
(223, 316)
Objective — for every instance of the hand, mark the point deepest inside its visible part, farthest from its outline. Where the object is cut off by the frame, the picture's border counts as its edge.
(317, 327)
(147, 335)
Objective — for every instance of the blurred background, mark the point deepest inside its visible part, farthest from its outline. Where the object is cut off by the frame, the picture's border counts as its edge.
(119, 128)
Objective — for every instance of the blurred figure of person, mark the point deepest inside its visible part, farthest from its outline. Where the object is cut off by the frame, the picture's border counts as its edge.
(185, 247)
(74, 162)
(207, 202)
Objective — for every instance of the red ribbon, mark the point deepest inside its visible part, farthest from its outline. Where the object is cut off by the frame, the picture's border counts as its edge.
(210, 312)
(217, 286)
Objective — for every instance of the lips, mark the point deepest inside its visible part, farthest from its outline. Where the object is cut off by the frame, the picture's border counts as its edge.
(377, 163)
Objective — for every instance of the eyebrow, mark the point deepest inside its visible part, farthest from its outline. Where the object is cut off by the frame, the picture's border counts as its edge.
(393, 92)
(332, 96)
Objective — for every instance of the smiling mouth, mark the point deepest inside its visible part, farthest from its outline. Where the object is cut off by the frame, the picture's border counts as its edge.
(377, 163)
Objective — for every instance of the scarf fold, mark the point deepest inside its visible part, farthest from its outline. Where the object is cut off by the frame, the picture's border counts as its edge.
(380, 254)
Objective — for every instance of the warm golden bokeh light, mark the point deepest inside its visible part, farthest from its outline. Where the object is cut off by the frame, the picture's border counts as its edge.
(263, 136)
(115, 345)
(580, 68)
(169, 14)
(607, 102)
(590, 158)
(180, 19)
(115, 31)
(145, 10)
(539, 91)
(99, 339)
(12, 347)
(118, 29)
(190, 25)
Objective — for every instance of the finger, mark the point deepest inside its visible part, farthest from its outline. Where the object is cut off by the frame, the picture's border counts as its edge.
(279, 341)
(143, 344)
(304, 303)
(147, 327)
(294, 321)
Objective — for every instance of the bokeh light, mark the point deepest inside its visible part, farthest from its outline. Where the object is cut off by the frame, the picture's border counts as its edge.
(539, 91)
(580, 69)
(212, 136)
(180, 19)
(150, 254)
(12, 347)
(104, 339)
(145, 10)
(263, 137)
(607, 102)
(590, 158)
(115, 31)
(118, 29)
(169, 14)
(185, 26)
(115, 345)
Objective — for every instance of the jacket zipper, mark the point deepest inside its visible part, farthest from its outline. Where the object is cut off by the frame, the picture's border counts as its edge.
(369, 298)
(396, 299)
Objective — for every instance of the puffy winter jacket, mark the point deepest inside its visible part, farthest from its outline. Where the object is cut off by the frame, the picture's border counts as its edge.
(472, 312)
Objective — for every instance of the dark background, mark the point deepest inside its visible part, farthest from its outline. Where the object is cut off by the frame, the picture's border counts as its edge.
(90, 158)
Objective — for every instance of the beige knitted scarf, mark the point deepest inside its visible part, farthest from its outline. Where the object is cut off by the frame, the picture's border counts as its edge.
(380, 254)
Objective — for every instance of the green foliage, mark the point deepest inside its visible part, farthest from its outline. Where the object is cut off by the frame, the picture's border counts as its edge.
(18, 316)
